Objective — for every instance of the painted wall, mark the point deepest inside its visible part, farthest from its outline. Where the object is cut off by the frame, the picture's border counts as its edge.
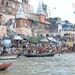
(24, 31)
(3, 30)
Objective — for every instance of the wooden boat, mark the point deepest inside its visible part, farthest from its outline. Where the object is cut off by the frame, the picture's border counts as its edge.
(40, 55)
(4, 66)
(9, 56)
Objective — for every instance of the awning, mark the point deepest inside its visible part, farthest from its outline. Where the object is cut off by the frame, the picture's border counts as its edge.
(11, 34)
(17, 38)
(44, 40)
(52, 39)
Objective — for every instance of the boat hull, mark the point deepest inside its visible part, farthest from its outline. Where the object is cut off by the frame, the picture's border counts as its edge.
(40, 55)
(5, 66)
(9, 56)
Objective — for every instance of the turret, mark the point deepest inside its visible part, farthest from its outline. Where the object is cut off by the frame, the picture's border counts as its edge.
(41, 13)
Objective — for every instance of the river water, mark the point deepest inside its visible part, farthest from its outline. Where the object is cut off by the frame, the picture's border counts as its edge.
(56, 65)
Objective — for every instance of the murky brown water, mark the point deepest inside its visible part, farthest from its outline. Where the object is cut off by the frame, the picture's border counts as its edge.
(57, 65)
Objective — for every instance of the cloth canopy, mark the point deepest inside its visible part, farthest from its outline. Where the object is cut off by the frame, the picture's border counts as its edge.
(24, 37)
(17, 38)
(44, 40)
(52, 39)
(11, 34)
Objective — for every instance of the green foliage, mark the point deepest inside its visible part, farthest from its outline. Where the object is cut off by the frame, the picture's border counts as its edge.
(33, 40)
(39, 38)
(35, 22)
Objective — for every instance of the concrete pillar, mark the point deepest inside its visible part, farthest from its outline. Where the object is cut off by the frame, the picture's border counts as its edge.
(70, 34)
(74, 37)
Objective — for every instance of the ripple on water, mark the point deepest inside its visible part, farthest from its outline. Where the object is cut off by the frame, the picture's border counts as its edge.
(57, 65)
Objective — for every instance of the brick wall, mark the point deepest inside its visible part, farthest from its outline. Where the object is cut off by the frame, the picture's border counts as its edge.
(41, 18)
(20, 23)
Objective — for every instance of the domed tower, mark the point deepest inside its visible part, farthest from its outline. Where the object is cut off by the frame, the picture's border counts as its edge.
(20, 17)
(21, 20)
(40, 12)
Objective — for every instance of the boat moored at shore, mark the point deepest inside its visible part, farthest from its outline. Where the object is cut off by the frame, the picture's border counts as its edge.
(9, 56)
(40, 55)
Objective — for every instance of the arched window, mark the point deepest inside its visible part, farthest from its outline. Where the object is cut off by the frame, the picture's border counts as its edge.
(2, 2)
(13, 6)
(0, 22)
(25, 1)
(3, 30)
(6, 3)
(27, 9)
(23, 31)
(26, 24)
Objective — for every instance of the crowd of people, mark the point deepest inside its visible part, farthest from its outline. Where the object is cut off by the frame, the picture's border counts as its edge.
(25, 46)
(49, 47)
(8, 50)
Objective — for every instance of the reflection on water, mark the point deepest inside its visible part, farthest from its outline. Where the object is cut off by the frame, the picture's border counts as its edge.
(57, 65)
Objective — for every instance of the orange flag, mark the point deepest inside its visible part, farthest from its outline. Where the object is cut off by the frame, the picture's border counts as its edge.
(73, 5)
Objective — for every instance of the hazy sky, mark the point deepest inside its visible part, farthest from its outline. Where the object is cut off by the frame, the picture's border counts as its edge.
(64, 8)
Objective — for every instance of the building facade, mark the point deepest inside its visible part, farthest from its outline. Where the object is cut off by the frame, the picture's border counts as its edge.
(7, 6)
(56, 26)
(25, 22)
(38, 25)
(3, 28)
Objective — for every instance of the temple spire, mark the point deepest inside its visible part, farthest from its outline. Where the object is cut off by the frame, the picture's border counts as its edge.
(40, 9)
(32, 9)
(20, 12)
(42, 2)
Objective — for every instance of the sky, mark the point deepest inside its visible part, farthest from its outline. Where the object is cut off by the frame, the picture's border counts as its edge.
(64, 8)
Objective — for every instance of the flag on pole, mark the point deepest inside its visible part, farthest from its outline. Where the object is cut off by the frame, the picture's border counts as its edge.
(73, 5)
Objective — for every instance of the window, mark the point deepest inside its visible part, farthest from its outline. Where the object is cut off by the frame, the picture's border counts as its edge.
(47, 35)
(26, 24)
(2, 2)
(13, 5)
(23, 31)
(40, 27)
(6, 3)
(25, 1)
(14, 26)
(3, 21)
(3, 30)
(0, 22)
(27, 9)
(28, 27)
(41, 35)
(22, 0)
(59, 30)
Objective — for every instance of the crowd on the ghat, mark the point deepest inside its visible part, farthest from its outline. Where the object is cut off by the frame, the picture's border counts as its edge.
(26, 47)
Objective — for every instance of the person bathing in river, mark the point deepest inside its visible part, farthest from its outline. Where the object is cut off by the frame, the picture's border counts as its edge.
(5, 47)
(2, 49)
